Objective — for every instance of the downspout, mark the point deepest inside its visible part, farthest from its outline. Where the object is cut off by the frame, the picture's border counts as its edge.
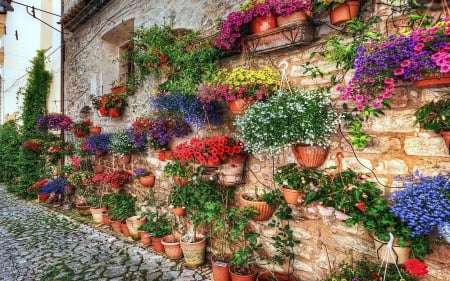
(61, 94)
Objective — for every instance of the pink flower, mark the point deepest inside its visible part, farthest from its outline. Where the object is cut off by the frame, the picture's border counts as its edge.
(399, 71)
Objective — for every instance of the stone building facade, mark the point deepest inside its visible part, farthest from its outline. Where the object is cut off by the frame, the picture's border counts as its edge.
(398, 147)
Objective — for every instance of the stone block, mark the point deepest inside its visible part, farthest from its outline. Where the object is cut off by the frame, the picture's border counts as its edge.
(377, 145)
(392, 167)
(391, 122)
(425, 146)
(298, 265)
(355, 164)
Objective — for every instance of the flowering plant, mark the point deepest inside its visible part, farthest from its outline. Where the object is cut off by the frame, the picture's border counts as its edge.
(56, 186)
(120, 144)
(208, 150)
(299, 117)
(117, 177)
(81, 129)
(141, 172)
(99, 178)
(434, 115)
(33, 145)
(364, 270)
(424, 204)
(379, 65)
(57, 149)
(233, 27)
(163, 130)
(54, 122)
(287, 7)
(241, 83)
(37, 185)
(97, 144)
(109, 100)
(177, 104)
(78, 178)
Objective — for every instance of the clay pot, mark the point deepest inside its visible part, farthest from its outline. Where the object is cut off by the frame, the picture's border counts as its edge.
(180, 181)
(97, 214)
(125, 230)
(94, 130)
(172, 247)
(157, 245)
(147, 181)
(292, 196)
(114, 112)
(240, 277)
(292, 18)
(146, 238)
(220, 269)
(133, 224)
(106, 219)
(178, 211)
(344, 12)
(263, 23)
(83, 210)
(310, 156)
(116, 226)
(238, 106)
(194, 253)
(264, 209)
(42, 196)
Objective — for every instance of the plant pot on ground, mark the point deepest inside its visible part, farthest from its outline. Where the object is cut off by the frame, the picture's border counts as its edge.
(159, 225)
(172, 246)
(194, 250)
(121, 206)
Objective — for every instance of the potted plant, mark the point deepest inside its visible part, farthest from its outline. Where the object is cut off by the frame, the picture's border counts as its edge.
(163, 130)
(265, 203)
(145, 232)
(304, 119)
(423, 204)
(35, 145)
(245, 243)
(144, 176)
(367, 270)
(121, 146)
(117, 178)
(179, 171)
(290, 11)
(208, 151)
(36, 190)
(179, 105)
(179, 198)
(295, 182)
(435, 116)
(109, 104)
(97, 144)
(350, 198)
(240, 87)
(121, 206)
(340, 11)
(159, 226)
(81, 128)
(55, 121)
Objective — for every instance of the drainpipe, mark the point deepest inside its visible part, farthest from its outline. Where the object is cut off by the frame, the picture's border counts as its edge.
(61, 90)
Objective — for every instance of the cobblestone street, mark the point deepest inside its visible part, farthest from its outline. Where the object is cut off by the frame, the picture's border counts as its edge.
(37, 243)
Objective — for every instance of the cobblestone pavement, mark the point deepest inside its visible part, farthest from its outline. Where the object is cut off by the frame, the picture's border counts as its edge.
(37, 243)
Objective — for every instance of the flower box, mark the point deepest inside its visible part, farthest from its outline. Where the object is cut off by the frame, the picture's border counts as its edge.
(289, 35)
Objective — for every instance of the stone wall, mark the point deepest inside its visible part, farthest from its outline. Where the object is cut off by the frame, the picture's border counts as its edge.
(397, 148)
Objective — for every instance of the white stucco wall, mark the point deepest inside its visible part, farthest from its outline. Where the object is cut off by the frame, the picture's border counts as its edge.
(32, 35)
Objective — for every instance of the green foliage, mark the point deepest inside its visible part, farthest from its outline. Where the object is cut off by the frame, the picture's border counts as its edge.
(31, 165)
(10, 144)
(183, 59)
(121, 205)
(246, 242)
(367, 270)
(176, 168)
(158, 224)
(434, 115)
(290, 176)
(120, 145)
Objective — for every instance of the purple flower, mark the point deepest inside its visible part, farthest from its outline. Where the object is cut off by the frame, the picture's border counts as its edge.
(54, 122)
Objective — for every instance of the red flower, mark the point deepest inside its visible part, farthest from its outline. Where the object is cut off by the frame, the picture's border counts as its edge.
(361, 206)
(416, 268)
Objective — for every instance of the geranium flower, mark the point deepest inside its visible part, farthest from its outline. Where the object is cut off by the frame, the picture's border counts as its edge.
(416, 268)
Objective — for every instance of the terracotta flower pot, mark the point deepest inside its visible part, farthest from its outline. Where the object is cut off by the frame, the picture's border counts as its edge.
(114, 112)
(280, 276)
(292, 196)
(133, 224)
(263, 23)
(264, 209)
(125, 230)
(97, 214)
(172, 247)
(194, 253)
(106, 219)
(446, 136)
(146, 238)
(310, 156)
(220, 269)
(94, 130)
(433, 81)
(147, 181)
(42, 196)
(238, 106)
(178, 211)
(344, 12)
(116, 226)
(157, 245)
(243, 277)
(180, 181)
